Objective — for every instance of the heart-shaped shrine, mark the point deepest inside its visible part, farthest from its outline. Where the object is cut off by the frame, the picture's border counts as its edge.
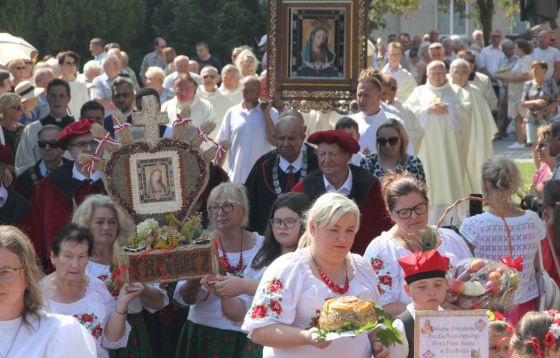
(158, 182)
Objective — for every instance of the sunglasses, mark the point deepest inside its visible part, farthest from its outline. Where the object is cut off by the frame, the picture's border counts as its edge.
(51, 143)
(382, 142)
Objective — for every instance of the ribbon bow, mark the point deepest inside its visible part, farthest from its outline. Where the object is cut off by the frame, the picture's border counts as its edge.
(90, 165)
(202, 134)
(536, 346)
(102, 141)
(180, 121)
(119, 127)
(117, 277)
(516, 264)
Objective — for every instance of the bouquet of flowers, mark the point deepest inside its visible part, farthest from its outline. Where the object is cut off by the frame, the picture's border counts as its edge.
(481, 283)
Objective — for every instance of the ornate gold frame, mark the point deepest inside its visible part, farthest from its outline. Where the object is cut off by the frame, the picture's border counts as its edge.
(320, 93)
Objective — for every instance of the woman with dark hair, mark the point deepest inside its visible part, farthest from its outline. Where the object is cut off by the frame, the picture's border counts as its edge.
(26, 330)
(71, 292)
(407, 201)
(551, 218)
(392, 141)
(316, 58)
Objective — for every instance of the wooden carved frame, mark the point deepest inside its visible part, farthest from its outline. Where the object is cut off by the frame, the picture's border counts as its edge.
(289, 22)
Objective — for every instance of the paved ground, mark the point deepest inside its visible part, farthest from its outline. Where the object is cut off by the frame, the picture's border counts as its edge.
(501, 149)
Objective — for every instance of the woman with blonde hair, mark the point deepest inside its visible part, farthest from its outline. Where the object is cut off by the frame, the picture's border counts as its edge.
(247, 63)
(26, 330)
(294, 287)
(18, 70)
(228, 211)
(11, 109)
(486, 232)
(109, 226)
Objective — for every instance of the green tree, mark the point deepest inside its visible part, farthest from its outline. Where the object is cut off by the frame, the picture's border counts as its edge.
(18, 17)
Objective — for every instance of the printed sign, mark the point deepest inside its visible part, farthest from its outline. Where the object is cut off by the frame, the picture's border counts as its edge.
(459, 334)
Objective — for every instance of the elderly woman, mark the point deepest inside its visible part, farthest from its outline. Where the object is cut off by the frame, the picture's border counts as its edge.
(482, 124)
(18, 70)
(30, 99)
(520, 73)
(247, 63)
(231, 86)
(71, 292)
(154, 79)
(486, 232)
(540, 98)
(228, 208)
(392, 141)
(407, 201)
(26, 330)
(11, 129)
(405, 81)
(109, 225)
(291, 294)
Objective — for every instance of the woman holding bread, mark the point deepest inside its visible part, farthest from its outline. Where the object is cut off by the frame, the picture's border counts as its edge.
(291, 295)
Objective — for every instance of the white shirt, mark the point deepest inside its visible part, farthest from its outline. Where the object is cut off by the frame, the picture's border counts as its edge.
(284, 164)
(169, 80)
(551, 55)
(489, 58)
(76, 174)
(201, 111)
(246, 129)
(345, 189)
(53, 336)
(78, 96)
(220, 103)
(368, 126)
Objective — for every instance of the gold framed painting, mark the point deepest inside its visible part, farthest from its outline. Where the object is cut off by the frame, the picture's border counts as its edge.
(316, 49)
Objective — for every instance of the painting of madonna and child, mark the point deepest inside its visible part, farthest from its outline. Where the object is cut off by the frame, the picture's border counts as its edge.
(317, 43)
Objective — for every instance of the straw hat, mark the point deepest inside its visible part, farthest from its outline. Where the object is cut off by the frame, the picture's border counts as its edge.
(27, 91)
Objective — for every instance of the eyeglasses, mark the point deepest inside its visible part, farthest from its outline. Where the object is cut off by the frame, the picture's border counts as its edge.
(208, 76)
(382, 142)
(82, 145)
(20, 68)
(17, 108)
(9, 274)
(185, 90)
(226, 208)
(69, 64)
(51, 143)
(406, 213)
(287, 223)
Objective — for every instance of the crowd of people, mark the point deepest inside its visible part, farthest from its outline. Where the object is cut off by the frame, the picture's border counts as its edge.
(304, 206)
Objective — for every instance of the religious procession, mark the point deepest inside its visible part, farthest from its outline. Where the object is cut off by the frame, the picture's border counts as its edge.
(326, 189)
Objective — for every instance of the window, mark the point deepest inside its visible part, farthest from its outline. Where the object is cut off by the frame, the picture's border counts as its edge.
(451, 17)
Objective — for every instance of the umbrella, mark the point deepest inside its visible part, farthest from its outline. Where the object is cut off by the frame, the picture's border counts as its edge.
(12, 48)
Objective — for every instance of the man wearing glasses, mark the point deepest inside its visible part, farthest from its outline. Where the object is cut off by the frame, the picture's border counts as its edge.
(51, 158)
(154, 58)
(187, 103)
(122, 94)
(57, 195)
(69, 63)
(58, 97)
(208, 90)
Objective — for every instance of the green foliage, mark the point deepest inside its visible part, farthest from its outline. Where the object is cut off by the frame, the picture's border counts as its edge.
(58, 25)
(379, 8)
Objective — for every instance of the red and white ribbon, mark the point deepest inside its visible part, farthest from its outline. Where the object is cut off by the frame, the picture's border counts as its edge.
(102, 141)
(180, 121)
(89, 167)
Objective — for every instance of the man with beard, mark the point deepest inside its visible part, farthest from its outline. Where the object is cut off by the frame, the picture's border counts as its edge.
(279, 170)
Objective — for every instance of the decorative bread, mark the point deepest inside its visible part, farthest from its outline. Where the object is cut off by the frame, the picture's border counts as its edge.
(347, 312)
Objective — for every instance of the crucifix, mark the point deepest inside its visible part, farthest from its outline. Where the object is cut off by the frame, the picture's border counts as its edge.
(150, 119)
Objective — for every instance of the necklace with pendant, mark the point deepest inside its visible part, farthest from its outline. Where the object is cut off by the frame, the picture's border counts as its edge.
(276, 181)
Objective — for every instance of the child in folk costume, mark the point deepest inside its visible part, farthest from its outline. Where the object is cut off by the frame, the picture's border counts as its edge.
(500, 332)
(537, 335)
(424, 273)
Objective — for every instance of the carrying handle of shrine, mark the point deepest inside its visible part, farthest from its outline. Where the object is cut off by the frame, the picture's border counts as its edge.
(490, 204)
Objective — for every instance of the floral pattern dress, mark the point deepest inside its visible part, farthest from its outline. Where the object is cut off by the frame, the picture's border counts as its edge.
(383, 253)
(138, 341)
(290, 294)
(92, 311)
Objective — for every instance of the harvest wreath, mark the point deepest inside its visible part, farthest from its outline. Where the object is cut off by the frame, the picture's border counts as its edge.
(159, 183)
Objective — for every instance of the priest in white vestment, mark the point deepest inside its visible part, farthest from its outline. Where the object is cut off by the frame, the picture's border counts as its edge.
(231, 83)
(405, 80)
(444, 111)
(208, 90)
(483, 127)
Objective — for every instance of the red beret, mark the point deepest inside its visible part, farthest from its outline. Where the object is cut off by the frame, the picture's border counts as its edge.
(81, 127)
(421, 265)
(343, 139)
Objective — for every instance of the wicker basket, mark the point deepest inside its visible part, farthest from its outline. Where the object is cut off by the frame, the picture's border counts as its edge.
(486, 301)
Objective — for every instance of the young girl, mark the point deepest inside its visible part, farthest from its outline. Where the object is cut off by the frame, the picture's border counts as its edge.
(536, 335)
(499, 335)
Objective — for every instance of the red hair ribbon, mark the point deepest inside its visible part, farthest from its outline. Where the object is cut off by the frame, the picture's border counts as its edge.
(180, 121)
(536, 346)
(516, 264)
